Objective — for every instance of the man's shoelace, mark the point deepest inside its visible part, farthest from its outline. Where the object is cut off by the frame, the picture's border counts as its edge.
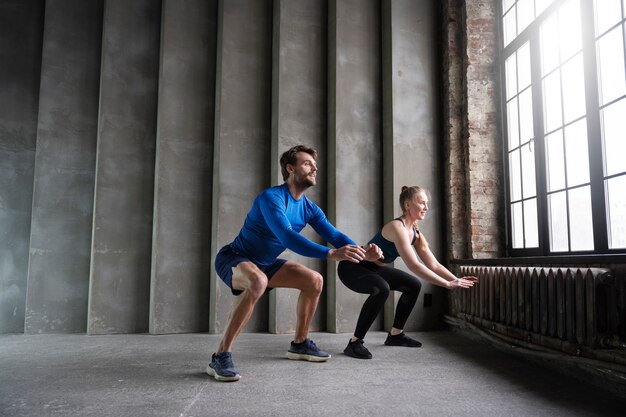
(311, 345)
(224, 362)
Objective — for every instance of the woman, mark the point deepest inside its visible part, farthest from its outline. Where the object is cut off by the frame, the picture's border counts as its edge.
(400, 237)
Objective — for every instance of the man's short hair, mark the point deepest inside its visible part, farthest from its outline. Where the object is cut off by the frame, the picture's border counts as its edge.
(289, 157)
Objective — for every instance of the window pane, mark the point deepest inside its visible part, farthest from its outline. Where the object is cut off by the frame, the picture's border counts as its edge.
(506, 4)
(523, 66)
(517, 222)
(511, 76)
(557, 212)
(616, 199)
(549, 43)
(525, 14)
(555, 161)
(541, 5)
(573, 89)
(612, 83)
(531, 228)
(529, 188)
(526, 116)
(552, 101)
(577, 153)
(614, 135)
(515, 176)
(510, 31)
(581, 220)
(608, 13)
(512, 123)
(570, 31)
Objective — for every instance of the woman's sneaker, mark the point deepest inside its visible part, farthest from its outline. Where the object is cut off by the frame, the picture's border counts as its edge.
(357, 350)
(222, 368)
(307, 351)
(401, 340)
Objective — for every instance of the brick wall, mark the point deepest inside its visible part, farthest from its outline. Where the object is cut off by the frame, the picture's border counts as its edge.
(472, 138)
(454, 109)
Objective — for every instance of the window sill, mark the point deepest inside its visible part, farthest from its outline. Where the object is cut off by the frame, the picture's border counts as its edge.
(547, 260)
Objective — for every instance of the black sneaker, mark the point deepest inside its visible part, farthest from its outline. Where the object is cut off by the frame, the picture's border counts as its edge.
(357, 350)
(401, 340)
(307, 351)
(222, 368)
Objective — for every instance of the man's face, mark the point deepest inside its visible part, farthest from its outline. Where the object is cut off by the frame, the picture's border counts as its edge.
(305, 170)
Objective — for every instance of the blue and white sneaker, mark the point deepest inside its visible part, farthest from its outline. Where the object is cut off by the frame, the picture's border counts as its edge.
(222, 368)
(307, 351)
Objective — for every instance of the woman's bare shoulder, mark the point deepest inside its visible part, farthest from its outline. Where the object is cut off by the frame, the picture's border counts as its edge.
(391, 230)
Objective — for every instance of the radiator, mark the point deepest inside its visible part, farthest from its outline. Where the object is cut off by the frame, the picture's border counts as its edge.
(562, 308)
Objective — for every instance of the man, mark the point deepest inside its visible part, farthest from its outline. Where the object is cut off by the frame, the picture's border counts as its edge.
(250, 264)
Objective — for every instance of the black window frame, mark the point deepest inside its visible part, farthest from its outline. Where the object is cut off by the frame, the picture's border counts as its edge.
(531, 34)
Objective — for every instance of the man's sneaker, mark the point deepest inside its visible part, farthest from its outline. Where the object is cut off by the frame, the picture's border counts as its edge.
(357, 350)
(307, 351)
(401, 340)
(222, 368)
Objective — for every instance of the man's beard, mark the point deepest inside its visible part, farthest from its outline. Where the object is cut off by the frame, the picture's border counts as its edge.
(304, 182)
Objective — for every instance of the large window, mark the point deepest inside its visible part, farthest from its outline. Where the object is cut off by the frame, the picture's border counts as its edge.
(564, 104)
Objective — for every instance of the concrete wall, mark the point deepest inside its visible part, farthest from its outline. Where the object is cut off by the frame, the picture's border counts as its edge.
(411, 134)
(157, 124)
(298, 116)
(242, 135)
(21, 32)
(58, 279)
(179, 296)
(354, 140)
(119, 291)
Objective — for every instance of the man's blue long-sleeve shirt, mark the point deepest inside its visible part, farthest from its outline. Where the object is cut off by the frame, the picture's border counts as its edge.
(274, 224)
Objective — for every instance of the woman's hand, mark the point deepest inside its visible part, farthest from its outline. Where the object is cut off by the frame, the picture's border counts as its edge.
(372, 252)
(465, 282)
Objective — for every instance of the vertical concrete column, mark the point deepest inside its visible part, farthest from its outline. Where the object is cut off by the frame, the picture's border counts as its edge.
(241, 165)
(298, 117)
(119, 290)
(21, 28)
(179, 296)
(411, 137)
(354, 137)
(60, 242)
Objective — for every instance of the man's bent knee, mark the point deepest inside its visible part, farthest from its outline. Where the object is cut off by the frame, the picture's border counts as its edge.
(250, 279)
(317, 282)
(257, 285)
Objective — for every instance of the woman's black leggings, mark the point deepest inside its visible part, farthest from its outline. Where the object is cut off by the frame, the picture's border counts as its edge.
(377, 281)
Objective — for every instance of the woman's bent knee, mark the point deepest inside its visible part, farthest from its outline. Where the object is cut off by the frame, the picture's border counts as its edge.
(382, 290)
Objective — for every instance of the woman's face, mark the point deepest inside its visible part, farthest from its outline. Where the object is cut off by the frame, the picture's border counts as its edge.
(418, 206)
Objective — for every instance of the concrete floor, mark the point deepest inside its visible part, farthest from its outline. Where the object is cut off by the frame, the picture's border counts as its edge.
(144, 375)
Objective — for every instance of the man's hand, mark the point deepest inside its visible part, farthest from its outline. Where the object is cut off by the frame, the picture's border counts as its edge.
(352, 253)
(373, 252)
